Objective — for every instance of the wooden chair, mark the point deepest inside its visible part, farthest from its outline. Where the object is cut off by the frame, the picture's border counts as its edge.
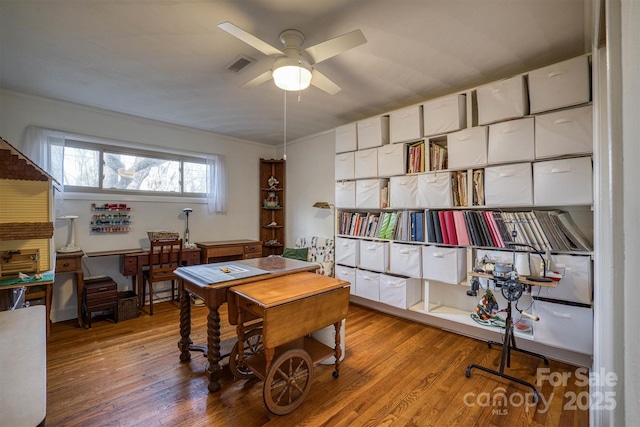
(164, 258)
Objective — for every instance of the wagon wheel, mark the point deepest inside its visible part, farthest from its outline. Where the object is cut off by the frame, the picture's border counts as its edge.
(252, 344)
(288, 381)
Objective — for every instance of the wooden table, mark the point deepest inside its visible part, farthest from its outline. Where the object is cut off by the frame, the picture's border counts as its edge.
(46, 281)
(291, 308)
(71, 262)
(214, 295)
(229, 250)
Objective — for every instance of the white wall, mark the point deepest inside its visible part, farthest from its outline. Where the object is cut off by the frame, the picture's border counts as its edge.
(17, 111)
(310, 179)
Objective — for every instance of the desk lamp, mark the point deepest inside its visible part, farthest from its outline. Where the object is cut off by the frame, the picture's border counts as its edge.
(71, 246)
(187, 211)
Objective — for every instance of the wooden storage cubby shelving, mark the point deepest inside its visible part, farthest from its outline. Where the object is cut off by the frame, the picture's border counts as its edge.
(272, 230)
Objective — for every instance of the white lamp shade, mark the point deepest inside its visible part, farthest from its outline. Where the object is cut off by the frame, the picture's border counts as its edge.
(291, 74)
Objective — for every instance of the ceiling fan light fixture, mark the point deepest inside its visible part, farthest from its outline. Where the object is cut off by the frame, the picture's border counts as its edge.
(291, 74)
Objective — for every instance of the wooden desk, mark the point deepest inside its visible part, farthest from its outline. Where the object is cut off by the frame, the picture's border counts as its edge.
(229, 250)
(214, 295)
(71, 262)
(23, 371)
(132, 264)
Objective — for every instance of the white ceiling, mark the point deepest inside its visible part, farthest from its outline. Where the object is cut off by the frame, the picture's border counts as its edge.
(165, 59)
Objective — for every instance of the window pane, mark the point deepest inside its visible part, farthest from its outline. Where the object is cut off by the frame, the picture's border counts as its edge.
(81, 167)
(195, 177)
(132, 172)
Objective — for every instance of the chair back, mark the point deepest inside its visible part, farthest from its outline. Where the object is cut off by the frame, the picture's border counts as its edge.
(165, 257)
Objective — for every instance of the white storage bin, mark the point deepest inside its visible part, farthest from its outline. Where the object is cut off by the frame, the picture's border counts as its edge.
(448, 265)
(405, 124)
(392, 159)
(346, 138)
(560, 85)
(406, 260)
(444, 115)
(468, 148)
(576, 284)
(403, 191)
(347, 274)
(347, 251)
(503, 100)
(368, 284)
(564, 326)
(508, 185)
(563, 182)
(368, 192)
(399, 291)
(345, 166)
(511, 141)
(434, 190)
(346, 194)
(564, 132)
(374, 255)
(366, 163)
(373, 132)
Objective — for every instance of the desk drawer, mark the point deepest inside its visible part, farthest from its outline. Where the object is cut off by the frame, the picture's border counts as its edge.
(102, 297)
(191, 257)
(67, 264)
(100, 305)
(253, 250)
(129, 265)
(224, 251)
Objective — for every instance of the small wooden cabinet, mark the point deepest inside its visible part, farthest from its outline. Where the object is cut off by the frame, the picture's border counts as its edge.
(272, 203)
(100, 294)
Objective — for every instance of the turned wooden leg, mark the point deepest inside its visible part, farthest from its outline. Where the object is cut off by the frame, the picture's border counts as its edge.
(338, 349)
(213, 349)
(268, 357)
(185, 326)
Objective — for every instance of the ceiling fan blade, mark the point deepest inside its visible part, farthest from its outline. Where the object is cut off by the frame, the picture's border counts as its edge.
(321, 81)
(262, 78)
(335, 46)
(250, 39)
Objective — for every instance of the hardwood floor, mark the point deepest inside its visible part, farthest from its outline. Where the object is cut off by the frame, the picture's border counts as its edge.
(396, 372)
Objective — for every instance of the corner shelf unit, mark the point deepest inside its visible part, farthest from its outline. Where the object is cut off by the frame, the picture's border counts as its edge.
(272, 206)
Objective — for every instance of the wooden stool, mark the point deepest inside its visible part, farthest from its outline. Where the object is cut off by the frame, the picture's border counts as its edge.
(100, 294)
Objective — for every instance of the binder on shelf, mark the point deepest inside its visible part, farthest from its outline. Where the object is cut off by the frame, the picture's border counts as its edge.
(461, 228)
(436, 226)
(451, 227)
(443, 228)
(431, 231)
(576, 238)
(419, 224)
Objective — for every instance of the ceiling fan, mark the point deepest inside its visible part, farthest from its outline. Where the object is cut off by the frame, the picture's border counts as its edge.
(293, 67)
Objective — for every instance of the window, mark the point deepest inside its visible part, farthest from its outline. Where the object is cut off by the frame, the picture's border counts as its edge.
(89, 164)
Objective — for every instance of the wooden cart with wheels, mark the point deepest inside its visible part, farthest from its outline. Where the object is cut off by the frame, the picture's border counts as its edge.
(274, 319)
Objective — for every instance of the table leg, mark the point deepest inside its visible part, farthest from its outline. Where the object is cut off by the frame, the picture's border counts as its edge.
(213, 348)
(80, 292)
(185, 324)
(47, 301)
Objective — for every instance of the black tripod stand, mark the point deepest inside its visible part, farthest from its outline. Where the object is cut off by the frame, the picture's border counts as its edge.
(512, 290)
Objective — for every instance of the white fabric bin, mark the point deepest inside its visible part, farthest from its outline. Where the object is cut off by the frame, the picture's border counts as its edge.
(373, 132)
(403, 191)
(502, 100)
(400, 292)
(366, 163)
(468, 148)
(564, 326)
(346, 138)
(368, 284)
(405, 124)
(512, 141)
(346, 194)
(560, 85)
(406, 260)
(564, 132)
(374, 255)
(368, 193)
(444, 115)
(448, 265)
(576, 284)
(348, 274)
(563, 182)
(392, 159)
(347, 251)
(508, 185)
(345, 166)
(434, 190)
